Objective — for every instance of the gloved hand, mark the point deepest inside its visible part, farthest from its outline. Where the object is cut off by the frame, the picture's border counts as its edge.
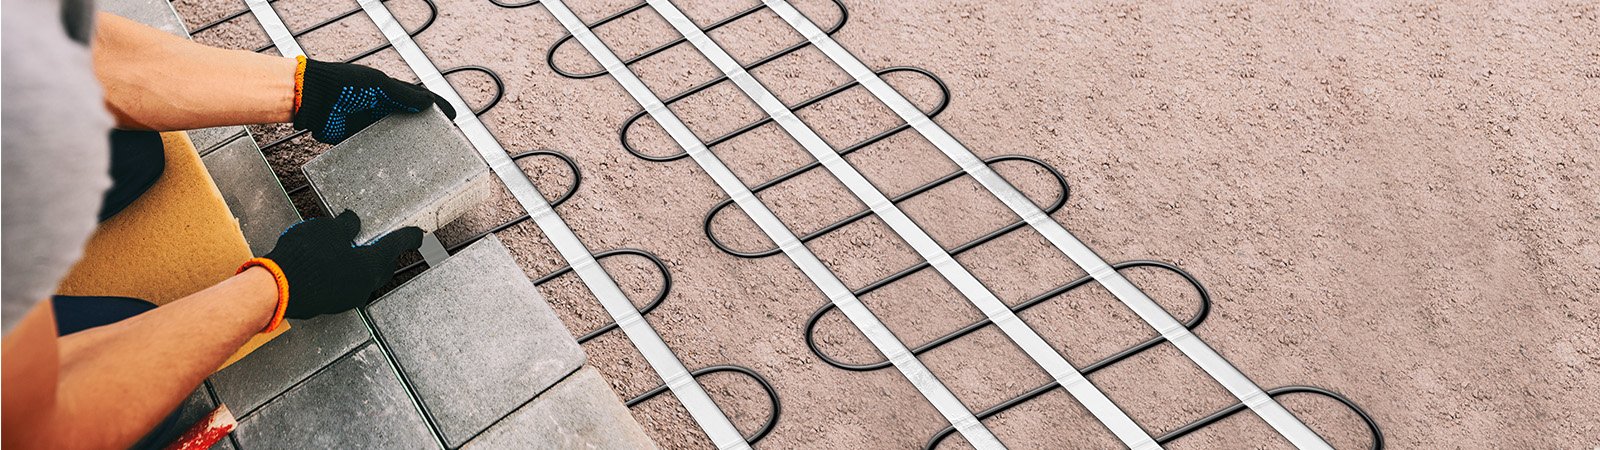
(326, 272)
(335, 100)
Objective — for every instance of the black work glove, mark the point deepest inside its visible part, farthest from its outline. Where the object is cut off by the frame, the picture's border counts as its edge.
(327, 272)
(339, 99)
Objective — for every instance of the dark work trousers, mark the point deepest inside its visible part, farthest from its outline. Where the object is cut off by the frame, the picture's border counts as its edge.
(137, 160)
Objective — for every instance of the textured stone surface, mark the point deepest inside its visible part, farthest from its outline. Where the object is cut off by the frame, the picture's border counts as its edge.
(475, 338)
(207, 140)
(407, 169)
(357, 403)
(581, 412)
(195, 408)
(252, 191)
(270, 370)
(155, 13)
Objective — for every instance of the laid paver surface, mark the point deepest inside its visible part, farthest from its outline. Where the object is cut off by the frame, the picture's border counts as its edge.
(207, 140)
(358, 402)
(270, 370)
(158, 14)
(580, 413)
(251, 191)
(404, 170)
(475, 338)
(195, 408)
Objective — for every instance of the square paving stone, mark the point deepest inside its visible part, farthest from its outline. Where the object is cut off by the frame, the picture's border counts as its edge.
(407, 169)
(156, 13)
(475, 338)
(296, 354)
(357, 403)
(207, 140)
(581, 412)
(195, 408)
(252, 192)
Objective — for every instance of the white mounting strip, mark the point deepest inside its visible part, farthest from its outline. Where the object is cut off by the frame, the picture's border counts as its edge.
(970, 287)
(655, 350)
(1292, 429)
(276, 30)
(884, 340)
(432, 250)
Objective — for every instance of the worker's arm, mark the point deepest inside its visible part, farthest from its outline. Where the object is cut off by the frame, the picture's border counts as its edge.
(106, 387)
(156, 81)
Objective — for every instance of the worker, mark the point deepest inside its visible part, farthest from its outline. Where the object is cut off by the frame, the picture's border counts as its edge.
(100, 372)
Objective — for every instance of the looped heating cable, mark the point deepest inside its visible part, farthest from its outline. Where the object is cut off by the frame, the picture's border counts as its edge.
(1376, 440)
(1053, 206)
(1199, 317)
(550, 56)
(772, 396)
(1201, 312)
(944, 101)
(509, 5)
(433, 13)
(661, 294)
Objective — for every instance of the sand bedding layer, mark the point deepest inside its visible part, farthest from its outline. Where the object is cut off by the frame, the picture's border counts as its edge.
(1396, 202)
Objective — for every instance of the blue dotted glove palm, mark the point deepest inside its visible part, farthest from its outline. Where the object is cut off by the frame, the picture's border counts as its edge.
(338, 99)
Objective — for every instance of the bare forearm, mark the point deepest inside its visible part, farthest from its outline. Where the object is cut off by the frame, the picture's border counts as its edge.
(157, 81)
(31, 363)
(125, 377)
(105, 387)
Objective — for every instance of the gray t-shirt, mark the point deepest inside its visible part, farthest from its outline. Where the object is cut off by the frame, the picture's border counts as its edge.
(54, 148)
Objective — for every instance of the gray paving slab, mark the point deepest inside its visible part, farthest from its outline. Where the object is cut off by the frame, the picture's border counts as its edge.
(275, 367)
(580, 412)
(155, 13)
(475, 338)
(252, 192)
(196, 407)
(206, 140)
(407, 169)
(358, 402)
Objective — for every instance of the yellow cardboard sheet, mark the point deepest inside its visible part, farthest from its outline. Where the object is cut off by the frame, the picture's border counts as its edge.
(175, 240)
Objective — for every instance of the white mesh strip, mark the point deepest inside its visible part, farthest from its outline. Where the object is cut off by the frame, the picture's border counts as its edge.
(881, 338)
(276, 30)
(970, 287)
(1219, 368)
(655, 351)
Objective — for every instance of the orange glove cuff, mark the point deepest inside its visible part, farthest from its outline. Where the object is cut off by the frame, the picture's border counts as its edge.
(283, 288)
(299, 80)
